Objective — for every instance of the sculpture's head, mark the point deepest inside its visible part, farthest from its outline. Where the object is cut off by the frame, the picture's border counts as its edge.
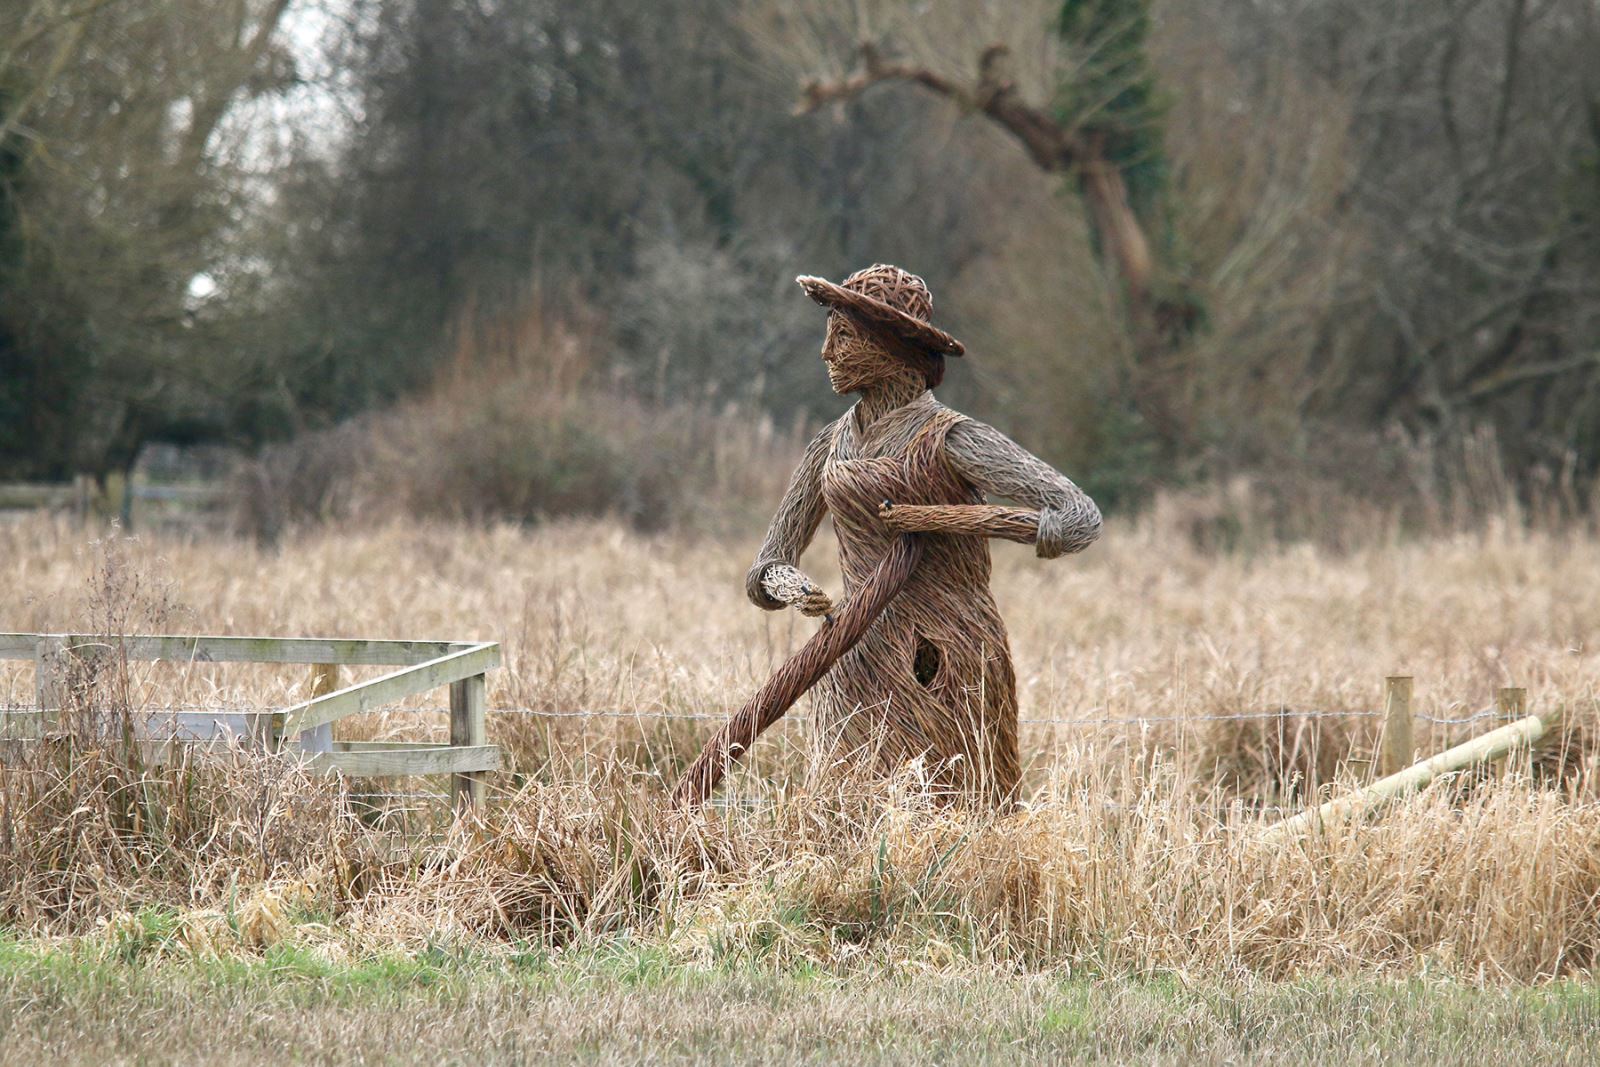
(878, 328)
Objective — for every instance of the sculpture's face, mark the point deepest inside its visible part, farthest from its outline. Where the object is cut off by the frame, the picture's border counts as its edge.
(855, 360)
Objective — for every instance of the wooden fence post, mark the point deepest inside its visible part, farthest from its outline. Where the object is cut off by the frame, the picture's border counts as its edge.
(52, 673)
(1396, 748)
(47, 683)
(468, 700)
(1489, 747)
(80, 498)
(44, 690)
(324, 680)
(1512, 703)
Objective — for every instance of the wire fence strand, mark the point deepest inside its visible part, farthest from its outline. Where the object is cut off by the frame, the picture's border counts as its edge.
(696, 716)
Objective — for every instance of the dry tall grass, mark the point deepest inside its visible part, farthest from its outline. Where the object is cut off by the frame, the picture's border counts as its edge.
(1137, 852)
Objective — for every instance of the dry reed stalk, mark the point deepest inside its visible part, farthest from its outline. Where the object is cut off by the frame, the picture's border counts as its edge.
(1137, 851)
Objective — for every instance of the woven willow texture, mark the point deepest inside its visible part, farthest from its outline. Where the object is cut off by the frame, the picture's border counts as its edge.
(915, 662)
(888, 299)
(800, 672)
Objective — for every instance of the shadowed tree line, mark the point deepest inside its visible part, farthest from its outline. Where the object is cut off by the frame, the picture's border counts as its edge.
(1321, 242)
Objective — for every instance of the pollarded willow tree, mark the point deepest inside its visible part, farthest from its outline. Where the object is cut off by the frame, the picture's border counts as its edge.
(1094, 115)
(1389, 210)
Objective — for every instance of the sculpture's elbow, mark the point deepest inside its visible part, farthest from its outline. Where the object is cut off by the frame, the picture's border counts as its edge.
(1063, 531)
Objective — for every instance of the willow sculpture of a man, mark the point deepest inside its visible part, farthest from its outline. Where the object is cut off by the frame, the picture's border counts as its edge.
(930, 675)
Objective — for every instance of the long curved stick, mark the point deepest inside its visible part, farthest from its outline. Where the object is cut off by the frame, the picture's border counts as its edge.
(806, 667)
(802, 671)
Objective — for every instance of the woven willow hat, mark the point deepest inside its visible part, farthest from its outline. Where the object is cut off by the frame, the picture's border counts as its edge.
(889, 299)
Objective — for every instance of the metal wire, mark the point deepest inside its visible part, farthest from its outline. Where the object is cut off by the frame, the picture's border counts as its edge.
(1486, 713)
(1233, 717)
(1104, 721)
(603, 714)
(610, 713)
(1243, 716)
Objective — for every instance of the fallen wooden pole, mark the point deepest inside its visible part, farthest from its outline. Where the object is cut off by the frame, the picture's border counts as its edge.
(1490, 746)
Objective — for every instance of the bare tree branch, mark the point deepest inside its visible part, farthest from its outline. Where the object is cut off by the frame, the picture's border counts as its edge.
(1511, 377)
(1447, 90)
(39, 32)
(1054, 146)
(213, 105)
(77, 22)
(1051, 146)
(1508, 84)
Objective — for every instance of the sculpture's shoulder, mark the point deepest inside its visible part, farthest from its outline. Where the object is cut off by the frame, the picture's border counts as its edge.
(970, 435)
(940, 421)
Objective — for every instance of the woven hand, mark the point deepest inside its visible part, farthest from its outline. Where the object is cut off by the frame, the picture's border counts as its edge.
(790, 585)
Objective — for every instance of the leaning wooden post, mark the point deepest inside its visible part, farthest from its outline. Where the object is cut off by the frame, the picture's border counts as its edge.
(468, 704)
(1490, 746)
(324, 680)
(1396, 749)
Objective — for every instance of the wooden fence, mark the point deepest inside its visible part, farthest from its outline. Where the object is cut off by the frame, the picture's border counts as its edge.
(73, 496)
(1402, 771)
(305, 728)
(181, 502)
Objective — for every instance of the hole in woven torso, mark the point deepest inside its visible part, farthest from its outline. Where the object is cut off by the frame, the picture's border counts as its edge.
(925, 664)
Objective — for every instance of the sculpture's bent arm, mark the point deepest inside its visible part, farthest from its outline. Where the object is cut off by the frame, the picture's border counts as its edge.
(773, 581)
(1069, 521)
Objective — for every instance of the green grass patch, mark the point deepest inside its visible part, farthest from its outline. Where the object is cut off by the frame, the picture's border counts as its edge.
(98, 1000)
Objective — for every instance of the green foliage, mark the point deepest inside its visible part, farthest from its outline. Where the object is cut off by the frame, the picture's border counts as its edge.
(628, 1001)
(1125, 460)
(1111, 92)
(16, 408)
(144, 934)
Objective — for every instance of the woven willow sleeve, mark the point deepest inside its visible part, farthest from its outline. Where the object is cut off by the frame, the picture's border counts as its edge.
(773, 581)
(1068, 520)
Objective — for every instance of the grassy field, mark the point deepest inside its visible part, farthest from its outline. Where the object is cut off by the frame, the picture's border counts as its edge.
(1130, 910)
(622, 1003)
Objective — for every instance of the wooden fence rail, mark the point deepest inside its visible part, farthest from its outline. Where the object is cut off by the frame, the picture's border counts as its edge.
(185, 501)
(72, 495)
(305, 728)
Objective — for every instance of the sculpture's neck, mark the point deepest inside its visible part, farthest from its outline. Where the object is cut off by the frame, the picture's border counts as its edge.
(889, 394)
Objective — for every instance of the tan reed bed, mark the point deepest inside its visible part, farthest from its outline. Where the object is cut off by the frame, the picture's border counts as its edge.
(1139, 851)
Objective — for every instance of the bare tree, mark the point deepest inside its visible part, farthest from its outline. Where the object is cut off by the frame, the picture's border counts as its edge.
(123, 184)
(1097, 122)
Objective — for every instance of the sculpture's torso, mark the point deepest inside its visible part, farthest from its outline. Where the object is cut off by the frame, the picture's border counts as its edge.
(934, 671)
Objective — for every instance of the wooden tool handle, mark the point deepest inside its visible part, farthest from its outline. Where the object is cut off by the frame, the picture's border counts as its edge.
(980, 520)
